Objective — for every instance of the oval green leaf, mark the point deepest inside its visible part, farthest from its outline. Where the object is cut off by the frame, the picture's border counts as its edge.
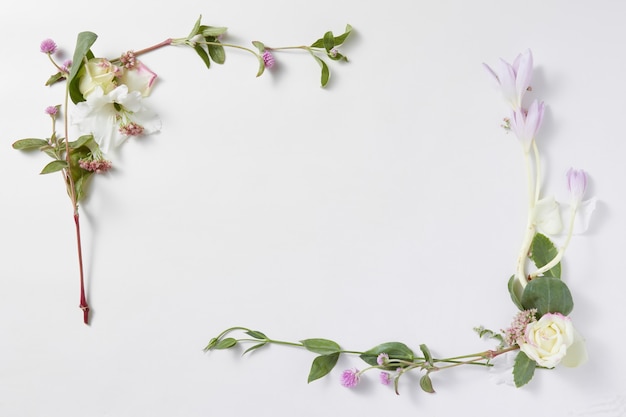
(54, 166)
(515, 289)
(256, 334)
(217, 53)
(321, 346)
(426, 384)
(225, 343)
(395, 350)
(547, 295)
(29, 144)
(542, 251)
(523, 370)
(322, 365)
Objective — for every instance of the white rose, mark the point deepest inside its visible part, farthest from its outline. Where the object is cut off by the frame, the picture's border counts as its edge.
(139, 78)
(551, 339)
(98, 72)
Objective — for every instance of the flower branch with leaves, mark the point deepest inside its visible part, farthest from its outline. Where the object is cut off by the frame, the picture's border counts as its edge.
(541, 334)
(106, 101)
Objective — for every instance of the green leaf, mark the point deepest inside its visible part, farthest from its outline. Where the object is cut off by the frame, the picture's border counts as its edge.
(59, 76)
(515, 289)
(325, 70)
(426, 384)
(261, 66)
(250, 349)
(196, 28)
(83, 44)
(54, 166)
(321, 346)
(225, 343)
(547, 295)
(29, 144)
(523, 370)
(322, 365)
(259, 45)
(256, 334)
(217, 53)
(213, 31)
(329, 41)
(203, 55)
(395, 350)
(426, 352)
(338, 40)
(542, 251)
(84, 140)
(211, 344)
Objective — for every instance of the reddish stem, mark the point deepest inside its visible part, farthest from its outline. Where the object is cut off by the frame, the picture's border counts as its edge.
(83, 300)
(152, 48)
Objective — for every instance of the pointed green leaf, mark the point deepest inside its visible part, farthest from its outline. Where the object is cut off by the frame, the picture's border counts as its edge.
(426, 384)
(325, 70)
(84, 140)
(515, 289)
(217, 53)
(427, 356)
(250, 349)
(211, 344)
(261, 66)
(542, 251)
(321, 346)
(547, 295)
(329, 41)
(395, 350)
(256, 334)
(259, 45)
(203, 55)
(225, 343)
(196, 28)
(29, 144)
(523, 370)
(83, 44)
(54, 166)
(322, 365)
(341, 38)
(59, 76)
(213, 31)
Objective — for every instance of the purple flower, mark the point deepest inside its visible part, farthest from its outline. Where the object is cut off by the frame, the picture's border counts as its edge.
(385, 378)
(52, 110)
(526, 123)
(382, 359)
(577, 183)
(514, 79)
(268, 59)
(350, 378)
(48, 46)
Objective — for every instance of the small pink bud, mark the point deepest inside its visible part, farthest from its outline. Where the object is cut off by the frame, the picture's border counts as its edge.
(268, 59)
(577, 183)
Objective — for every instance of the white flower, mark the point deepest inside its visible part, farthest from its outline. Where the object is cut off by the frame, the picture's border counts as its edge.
(501, 371)
(115, 116)
(551, 340)
(547, 216)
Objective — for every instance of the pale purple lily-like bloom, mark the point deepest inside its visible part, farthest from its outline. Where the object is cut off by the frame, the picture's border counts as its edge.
(514, 79)
(109, 116)
(526, 123)
(577, 184)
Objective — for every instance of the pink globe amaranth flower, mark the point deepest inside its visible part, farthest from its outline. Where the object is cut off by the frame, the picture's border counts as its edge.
(268, 59)
(382, 359)
(52, 110)
(350, 378)
(385, 378)
(525, 123)
(48, 46)
(577, 183)
(514, 79)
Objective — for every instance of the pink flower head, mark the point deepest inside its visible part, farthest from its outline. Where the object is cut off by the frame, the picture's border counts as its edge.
(99, 166)
(526, 123)
(52, 110)
(385, 378)
(48, 46)
(350, 378)
(577, 183)
(66, 65)
(382, 359)
(514, 79)
(268, 59)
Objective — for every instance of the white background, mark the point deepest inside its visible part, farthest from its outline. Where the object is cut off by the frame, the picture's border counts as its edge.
(388, 206)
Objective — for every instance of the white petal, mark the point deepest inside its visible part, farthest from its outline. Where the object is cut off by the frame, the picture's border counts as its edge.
(502, 370)
(576, 353)
(547, 216)
(583, 215)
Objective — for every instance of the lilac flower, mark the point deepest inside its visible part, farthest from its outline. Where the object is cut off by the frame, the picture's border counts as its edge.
(350, 378)
(48, 46)
(526, 123)
(268, 59)
(514, 79)
(382, 359)
(385, 378)
(52, 110)
(577, 184)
